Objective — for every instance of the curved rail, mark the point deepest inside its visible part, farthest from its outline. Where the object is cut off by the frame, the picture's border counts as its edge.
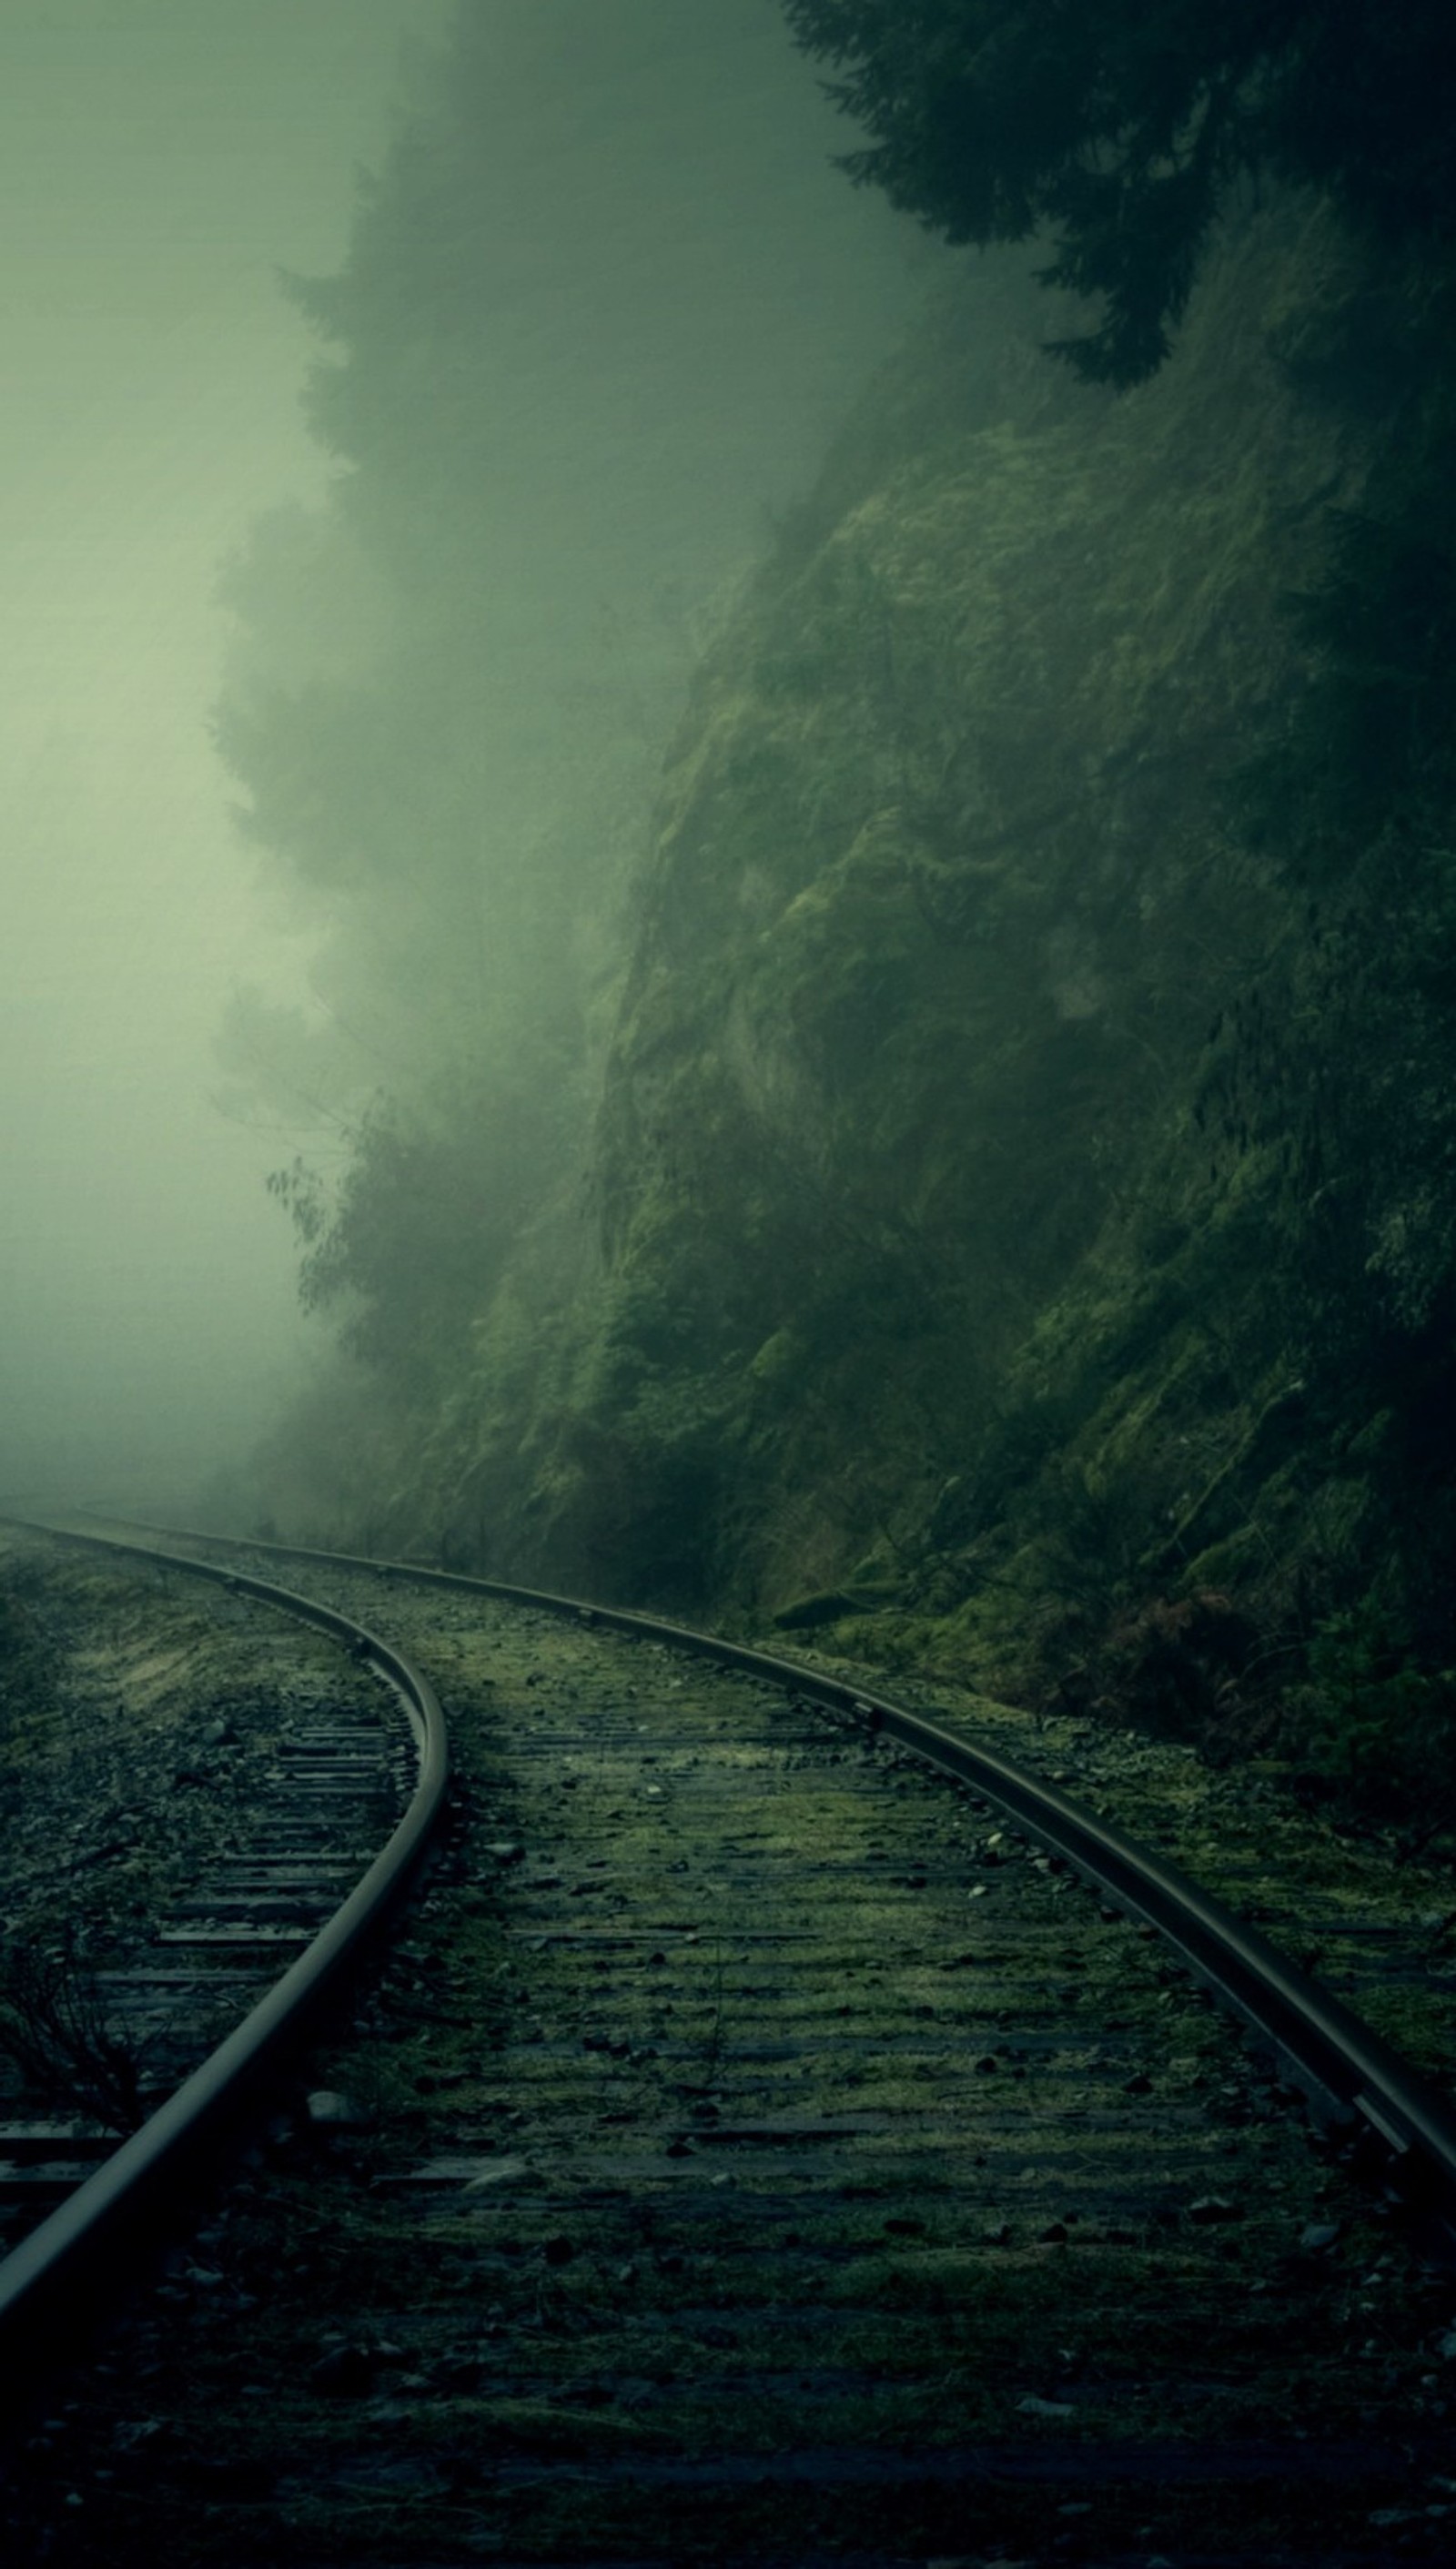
(72, 2258)
(1331, 2050)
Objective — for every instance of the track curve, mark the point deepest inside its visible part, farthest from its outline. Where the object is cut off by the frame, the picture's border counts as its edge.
(62, 2271)
(732, 2189)
(1349, 2070)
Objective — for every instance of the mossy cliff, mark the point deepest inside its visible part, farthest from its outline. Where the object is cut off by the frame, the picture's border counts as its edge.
(1022, 1181)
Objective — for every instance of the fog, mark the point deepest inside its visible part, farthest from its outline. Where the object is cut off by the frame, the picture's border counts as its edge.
(159, 161)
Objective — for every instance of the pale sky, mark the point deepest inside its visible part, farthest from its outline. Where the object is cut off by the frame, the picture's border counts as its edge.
(160, 159)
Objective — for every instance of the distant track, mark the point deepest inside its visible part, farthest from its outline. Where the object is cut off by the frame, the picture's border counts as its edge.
(63, 2269)
(1347, 2067)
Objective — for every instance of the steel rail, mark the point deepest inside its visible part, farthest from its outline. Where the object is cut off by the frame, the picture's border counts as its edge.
(1347, 2068)
(60, 2274)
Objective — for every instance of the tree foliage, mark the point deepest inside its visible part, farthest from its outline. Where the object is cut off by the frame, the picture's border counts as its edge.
(405, 1250)
(1121, 126)
(564, 365)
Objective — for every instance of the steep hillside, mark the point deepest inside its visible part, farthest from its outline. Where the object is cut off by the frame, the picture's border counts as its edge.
(1023, 1181)
(602, 303)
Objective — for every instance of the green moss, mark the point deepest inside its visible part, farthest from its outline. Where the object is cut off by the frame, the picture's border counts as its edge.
(1004, 1178)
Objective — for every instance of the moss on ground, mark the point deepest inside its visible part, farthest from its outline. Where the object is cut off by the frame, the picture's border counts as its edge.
(1022, 1174)
(676, 2319)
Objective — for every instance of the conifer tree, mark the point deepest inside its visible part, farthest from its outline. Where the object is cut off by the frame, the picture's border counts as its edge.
(1118, 127)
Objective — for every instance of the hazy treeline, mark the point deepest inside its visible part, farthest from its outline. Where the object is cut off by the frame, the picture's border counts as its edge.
(602, 306)
(1121, 132)
(1015, 1093)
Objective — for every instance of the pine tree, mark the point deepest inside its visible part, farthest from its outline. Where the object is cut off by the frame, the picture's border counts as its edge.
(1118, 127)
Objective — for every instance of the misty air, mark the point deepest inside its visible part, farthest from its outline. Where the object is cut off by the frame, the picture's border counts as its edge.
(727, 1264)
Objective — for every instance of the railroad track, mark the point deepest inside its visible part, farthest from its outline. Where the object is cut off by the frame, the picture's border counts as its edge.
(774, 2155)
(176, 2032)
(1343, 2063)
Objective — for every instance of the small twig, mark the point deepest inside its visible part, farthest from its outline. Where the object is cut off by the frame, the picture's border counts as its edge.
(56, 2030)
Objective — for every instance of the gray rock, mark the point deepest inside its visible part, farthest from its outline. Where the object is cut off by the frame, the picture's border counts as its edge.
(1320, 2234)
(329, 2110)
(498, 2172)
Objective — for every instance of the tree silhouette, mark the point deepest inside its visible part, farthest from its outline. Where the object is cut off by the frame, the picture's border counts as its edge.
(1119, 127)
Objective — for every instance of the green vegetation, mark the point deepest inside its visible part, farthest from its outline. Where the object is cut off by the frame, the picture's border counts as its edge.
(30, 1669)
(1379, 1726)
(452, 686)
(1123, 130)
(1020, 1143)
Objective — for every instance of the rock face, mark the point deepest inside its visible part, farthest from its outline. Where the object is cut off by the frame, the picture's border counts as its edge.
(957, 1151)
(940, 908)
